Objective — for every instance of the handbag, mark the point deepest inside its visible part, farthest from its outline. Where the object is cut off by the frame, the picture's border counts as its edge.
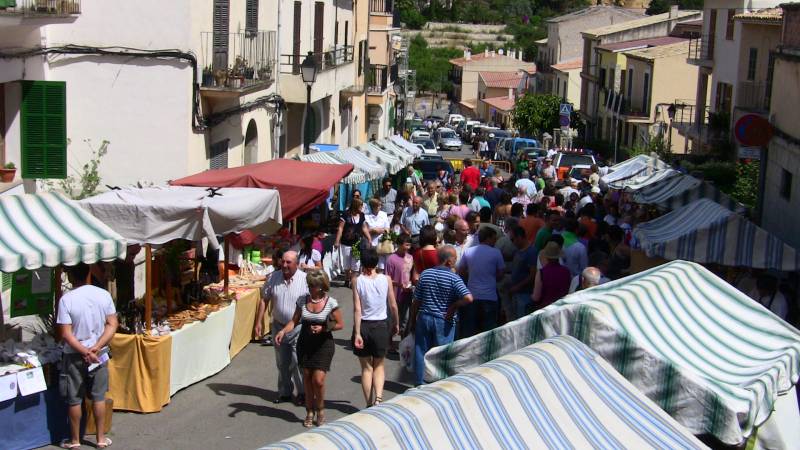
(385, 247)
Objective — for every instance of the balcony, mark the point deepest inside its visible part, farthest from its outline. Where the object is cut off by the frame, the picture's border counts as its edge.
(237, 63)
(701, 51)
(377, 79)
(381, 7)
(454, 76)
(753, 96)
(14, 12)
(383, 14)
(336, 72)
(696, 128)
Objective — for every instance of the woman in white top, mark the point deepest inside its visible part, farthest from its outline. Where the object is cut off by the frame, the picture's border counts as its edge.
(372, 294)
(377, 224)
(308, 258)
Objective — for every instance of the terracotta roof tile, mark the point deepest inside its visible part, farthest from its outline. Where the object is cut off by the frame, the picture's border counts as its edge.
(762, 15)
(501, 103)
(572, 64)
(501, 79)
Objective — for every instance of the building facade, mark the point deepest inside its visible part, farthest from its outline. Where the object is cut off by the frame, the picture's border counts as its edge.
(781, 190)
(567, 82)
(384, 43)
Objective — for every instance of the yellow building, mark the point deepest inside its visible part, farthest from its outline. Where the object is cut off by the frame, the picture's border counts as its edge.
(567, 81)
(384, 42)
(465, 71)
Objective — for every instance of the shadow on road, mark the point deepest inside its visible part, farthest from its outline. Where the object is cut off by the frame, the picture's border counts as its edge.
(240, 389)
(343, 406)
(264, 411)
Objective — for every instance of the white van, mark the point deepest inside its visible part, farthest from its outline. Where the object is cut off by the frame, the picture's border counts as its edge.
(453, 119)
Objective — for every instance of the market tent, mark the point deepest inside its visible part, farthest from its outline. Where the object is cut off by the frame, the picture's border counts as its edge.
(635, 183)
(301, 185)
(555, 394)
(386, 158)
(636, 166)
(706, 232)
(158, 215)
(48, 229)
(401, 152)
(407, 146)
(365, 169)
(680, 190)
(710, 356)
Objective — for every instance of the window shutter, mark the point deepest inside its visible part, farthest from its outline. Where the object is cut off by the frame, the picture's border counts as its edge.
(5, 281)
(44, 129)
(219, 155)
(221, 29)
(251, 20)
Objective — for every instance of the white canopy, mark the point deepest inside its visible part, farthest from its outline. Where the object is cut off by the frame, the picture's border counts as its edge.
(644, 180)
(636, 166)
(160, 214)
(408, 146)
(365, 169)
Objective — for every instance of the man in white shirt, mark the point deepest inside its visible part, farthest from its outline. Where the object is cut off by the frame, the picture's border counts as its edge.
(87, 320)
(284, 288)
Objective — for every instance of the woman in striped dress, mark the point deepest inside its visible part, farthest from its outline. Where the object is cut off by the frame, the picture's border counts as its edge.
(315, 345)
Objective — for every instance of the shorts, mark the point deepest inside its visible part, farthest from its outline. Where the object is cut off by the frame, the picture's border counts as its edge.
(375, 334)
(348, 262)
(75, 379)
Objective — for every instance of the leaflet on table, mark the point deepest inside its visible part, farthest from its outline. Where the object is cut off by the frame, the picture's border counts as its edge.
(31, 381)
(8, 387)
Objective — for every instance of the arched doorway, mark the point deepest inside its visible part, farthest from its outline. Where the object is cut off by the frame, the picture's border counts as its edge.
(251, 143)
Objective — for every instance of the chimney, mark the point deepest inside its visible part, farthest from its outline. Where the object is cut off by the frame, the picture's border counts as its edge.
(673, 12)
(486, 53)
(468, 54)
(511, 93)
(500, 52)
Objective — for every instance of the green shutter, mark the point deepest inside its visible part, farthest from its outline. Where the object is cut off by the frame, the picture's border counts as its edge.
(5, 281)
(44, 129)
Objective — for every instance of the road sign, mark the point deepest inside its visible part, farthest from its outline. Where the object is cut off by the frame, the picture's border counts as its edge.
(749, 153)
(752, 130)
(565, 109)
(563, 121)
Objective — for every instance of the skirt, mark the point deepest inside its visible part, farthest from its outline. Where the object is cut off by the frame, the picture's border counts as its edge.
(315, 351)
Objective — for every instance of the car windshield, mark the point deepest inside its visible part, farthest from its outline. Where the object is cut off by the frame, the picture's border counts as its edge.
(427, 143)
(447, 134)
(569, 160)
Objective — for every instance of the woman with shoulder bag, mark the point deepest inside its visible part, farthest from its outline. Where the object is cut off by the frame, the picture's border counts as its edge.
(320, 316)
(352, 230)
(373, 294)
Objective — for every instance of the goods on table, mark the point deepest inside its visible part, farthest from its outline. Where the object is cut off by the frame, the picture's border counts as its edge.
(16, 356)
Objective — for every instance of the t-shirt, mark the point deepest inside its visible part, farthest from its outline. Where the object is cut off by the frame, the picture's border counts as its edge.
(531, 225)
(528, 185)
(555, 283)
(482, 263)
(399, 268)
(86, 309)
(542, 236)
(319, 317)
(414, 221)
(575, 257)
(388, 200)
(471, 176)
(425, 259)
(521, 265)
(373, 293)
(380, 220)
(479, 202)
(310, 259)
(460, 211)
(437, 288)
(590, 224)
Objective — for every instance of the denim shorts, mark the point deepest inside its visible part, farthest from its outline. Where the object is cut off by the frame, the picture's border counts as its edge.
(75, 380)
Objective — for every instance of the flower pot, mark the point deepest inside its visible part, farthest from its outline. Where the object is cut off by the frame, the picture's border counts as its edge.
(7, 175)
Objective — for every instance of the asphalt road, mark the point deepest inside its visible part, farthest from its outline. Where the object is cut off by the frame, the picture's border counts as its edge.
(234, 409)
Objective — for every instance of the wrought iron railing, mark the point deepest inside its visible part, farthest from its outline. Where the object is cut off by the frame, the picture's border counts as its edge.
(40, 7)
(325, 60)
(377, 79)
(701, 48)
(753, 95)
(381, 6)
(238, 60)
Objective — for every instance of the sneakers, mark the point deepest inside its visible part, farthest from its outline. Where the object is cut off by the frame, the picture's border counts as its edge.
(267, 340)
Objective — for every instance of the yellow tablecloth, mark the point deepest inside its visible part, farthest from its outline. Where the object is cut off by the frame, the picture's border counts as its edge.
(139, 372)
(246, 311)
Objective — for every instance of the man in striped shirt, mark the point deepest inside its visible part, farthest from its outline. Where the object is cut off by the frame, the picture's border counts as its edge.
(284, 288)
(439, 294)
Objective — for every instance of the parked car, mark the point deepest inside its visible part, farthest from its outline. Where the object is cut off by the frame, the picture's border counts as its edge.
(420, 134)
(564, 161)
(518, 143)
(429, 166)
(466, 134)
(427, 145)
(446, 139)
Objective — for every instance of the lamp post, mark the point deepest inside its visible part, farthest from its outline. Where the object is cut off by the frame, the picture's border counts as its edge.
(308, 70)
(671, 115)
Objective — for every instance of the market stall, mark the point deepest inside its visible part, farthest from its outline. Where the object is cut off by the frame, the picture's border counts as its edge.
(301, 185)
(38, 235)
(705, 232)
(365, 169)
(641, 181)
(392, 161)
(195, 339)
(711, 357)
(680, 190)
(407, 146)
(634, 167)
(554, 394)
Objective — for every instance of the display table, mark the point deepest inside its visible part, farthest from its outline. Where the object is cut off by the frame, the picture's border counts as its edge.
(33, 421)
(246, 312)
(201, 349)
(139, 372)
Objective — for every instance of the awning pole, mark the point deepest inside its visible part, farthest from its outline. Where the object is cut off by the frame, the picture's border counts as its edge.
(227, 257)
(148, 291)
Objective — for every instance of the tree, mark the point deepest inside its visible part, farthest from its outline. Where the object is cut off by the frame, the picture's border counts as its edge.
(662, 6)
(535, 114)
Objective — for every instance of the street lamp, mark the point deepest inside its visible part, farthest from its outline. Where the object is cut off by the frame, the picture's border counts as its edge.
(308, 70)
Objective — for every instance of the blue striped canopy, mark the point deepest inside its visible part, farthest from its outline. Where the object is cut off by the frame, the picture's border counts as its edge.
(557, 394)
(710, 356)
(680, 190)
(706, 232)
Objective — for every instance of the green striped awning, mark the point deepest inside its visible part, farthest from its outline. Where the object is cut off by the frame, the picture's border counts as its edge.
(710, 356)
(48, 230)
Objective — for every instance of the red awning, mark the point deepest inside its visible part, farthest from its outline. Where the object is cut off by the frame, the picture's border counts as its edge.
(301, 185)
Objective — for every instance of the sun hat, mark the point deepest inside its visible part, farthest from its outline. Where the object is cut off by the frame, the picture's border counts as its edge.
(551, 251)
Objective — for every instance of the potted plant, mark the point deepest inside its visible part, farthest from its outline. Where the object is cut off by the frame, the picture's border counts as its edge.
(265, 73)
(221, 77)
(208, 76)
(8, 172)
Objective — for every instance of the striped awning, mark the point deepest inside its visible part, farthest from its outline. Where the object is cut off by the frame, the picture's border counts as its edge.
(681, 190)
(386, 158)
(48, 229)
(710, 356)
(407, 146)
(556, 394)
(636, 166)
(364, 169)
(641, 181)
(706, 232)
(395, 149)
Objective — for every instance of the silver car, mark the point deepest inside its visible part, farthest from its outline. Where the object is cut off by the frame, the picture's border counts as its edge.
(447, 139)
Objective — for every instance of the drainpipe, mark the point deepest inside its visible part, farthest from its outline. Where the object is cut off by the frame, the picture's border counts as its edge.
(276, 132)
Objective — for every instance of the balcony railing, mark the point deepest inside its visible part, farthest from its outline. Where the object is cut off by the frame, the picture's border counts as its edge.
(38, 8)
(701, 49)
(377, 79)
(381, 6)
(325, 60)
(237, 60)
(454, 76)
(753, 96)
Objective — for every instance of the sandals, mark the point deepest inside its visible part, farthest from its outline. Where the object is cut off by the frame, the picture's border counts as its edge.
(320, 418)
(309, 422)
(67, 443)
(105, 444)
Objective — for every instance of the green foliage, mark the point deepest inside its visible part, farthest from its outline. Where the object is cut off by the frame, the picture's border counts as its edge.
(721, 173)
(662, 6)
(84, 183)
(745, 189)
(10, 165)
(432, 65)
(535, 114)
(410, 14)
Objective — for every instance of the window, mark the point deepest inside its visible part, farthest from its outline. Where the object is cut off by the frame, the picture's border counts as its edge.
(221, 25)
(346, 32)
(729, 28)
(723, 100)
(751, 64)
(296, 28)
(336, 33)
(786, 185)
(646, 93)
(565, 89)
(219, 155)
(251, 17)
(44, 129)
(770, 74)
(630, 83)
(602, 79)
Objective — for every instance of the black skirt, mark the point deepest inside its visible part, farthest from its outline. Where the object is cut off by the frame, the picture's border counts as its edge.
(315, 351)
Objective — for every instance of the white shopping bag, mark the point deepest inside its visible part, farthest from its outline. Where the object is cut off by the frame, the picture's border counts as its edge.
(407, 352)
